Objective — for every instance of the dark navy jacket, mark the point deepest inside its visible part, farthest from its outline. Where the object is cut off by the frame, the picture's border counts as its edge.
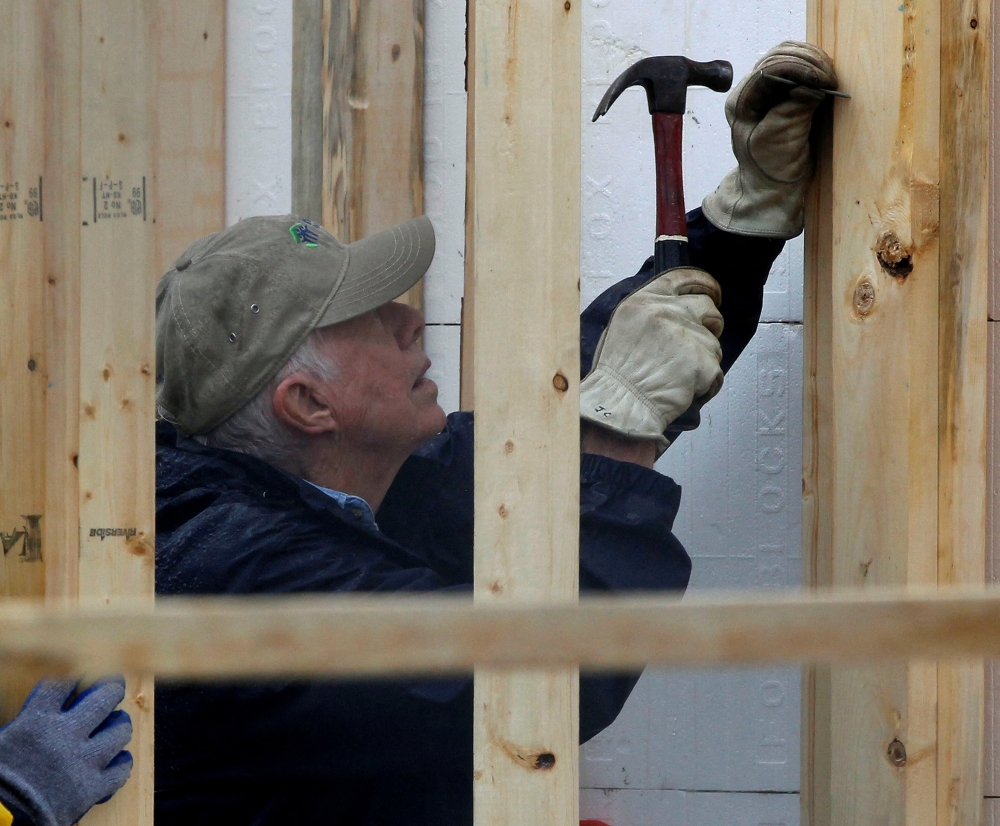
(387, 753)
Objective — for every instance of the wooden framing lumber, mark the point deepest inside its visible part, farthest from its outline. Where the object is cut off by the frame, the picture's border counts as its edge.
(104, 100)
(872, 359)
(189, 195)
(63, 222)
(118, 272)
(357, 117)
(307, 109)
(966, 230)
(991, 770)
(896, 394)
(22, 299)
(525, 202)
(350, 636)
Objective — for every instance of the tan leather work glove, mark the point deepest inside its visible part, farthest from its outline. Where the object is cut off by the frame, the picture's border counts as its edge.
(659, 352)
(770, 124)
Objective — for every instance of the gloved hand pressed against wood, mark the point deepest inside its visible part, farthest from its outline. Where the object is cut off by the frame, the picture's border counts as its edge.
(659, 353)
(658, 359)
(63, 754)
(771, 122)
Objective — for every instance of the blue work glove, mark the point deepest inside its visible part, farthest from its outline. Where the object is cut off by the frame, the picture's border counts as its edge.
(64, 753)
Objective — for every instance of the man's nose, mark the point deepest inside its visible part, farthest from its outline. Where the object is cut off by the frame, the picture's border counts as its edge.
(410, 324)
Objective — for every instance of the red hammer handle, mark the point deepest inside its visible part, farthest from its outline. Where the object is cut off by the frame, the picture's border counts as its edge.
(668, 139)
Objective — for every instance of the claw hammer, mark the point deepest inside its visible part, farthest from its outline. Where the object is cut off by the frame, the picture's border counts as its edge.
(666, 81)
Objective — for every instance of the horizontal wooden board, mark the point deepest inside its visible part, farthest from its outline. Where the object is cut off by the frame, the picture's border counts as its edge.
(212, 637)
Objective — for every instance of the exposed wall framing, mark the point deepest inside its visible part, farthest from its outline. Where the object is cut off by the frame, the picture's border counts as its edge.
(109, 101)
(895, 423)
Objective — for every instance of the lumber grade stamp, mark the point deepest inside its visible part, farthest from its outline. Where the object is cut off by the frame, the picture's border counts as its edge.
(101, 103)
(118, 272)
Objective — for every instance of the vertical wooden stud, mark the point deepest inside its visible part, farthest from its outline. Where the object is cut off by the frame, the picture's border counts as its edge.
(100, 101)
(307, 109)
(526, 219)
(23, 365)
(966, 67)
(22, 300)
(896, 409)
(62, 220)
(189, 196)
(370, 129)
(817, 443)
(118, 269)
(875, 312)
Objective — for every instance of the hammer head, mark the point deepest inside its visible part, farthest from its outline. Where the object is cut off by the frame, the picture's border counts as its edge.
(666, 81)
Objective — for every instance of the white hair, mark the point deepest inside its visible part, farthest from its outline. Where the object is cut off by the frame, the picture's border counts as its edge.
(255, 429)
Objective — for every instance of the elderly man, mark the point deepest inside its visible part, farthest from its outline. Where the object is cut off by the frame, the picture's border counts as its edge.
(302, 449)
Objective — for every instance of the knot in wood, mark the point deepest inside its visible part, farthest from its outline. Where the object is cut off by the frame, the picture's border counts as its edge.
(897, 754)
(545, 761)
(864, 298)
(560, 382)
(893, 256)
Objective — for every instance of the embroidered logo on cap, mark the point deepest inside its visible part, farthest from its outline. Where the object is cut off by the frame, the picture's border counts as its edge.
(304, 233)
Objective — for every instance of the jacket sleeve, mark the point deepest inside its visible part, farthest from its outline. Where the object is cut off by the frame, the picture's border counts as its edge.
(740, 264)
(626, 543)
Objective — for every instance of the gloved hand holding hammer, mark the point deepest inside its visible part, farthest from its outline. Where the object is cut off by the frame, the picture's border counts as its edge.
(658, 357)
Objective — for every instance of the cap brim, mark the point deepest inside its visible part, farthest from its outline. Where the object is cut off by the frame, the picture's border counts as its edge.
(382, 267)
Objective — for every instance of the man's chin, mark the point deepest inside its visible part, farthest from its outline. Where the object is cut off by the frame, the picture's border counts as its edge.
(442, 419)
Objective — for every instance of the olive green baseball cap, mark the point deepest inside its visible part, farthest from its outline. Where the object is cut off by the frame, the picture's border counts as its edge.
(235, 307)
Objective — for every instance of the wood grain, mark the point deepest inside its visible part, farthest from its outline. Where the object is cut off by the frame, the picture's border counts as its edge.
(872, 422)
(22, 300)
(307, 109)
(896, 419)
(526, 223)
(190, 125)
(337, 635)
(817, 456)
(886, 367)
(363, 64)
(23, 296)
(118, 266)
(991, 763)
(966, 78)
(62, 211)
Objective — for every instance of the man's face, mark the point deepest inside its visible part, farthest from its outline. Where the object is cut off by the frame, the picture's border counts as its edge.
(382, 399)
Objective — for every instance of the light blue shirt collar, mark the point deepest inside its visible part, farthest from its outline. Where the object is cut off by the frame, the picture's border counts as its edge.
(356, 507)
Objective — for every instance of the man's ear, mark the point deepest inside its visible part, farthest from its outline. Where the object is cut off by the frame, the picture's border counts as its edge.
(302, 402)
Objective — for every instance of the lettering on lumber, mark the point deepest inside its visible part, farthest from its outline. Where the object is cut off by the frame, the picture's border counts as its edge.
(118, 269)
